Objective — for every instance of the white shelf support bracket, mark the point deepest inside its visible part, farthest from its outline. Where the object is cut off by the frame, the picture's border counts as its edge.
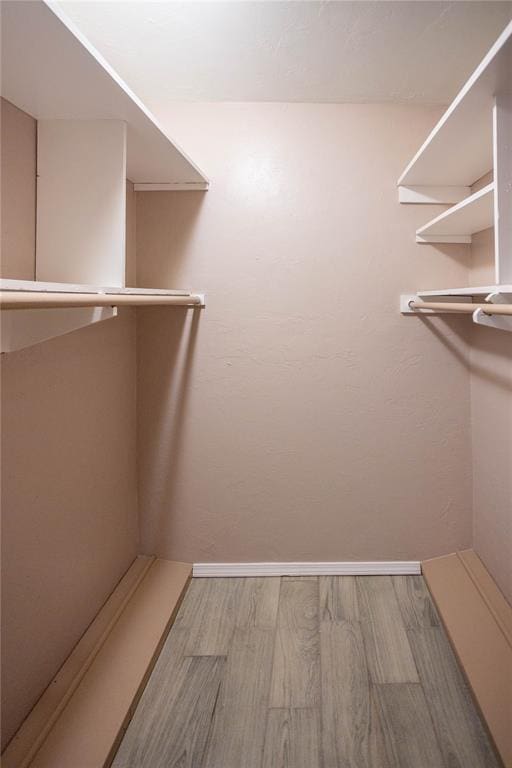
(495, 321)
(25, 327)
(502, 155)
(427, 195)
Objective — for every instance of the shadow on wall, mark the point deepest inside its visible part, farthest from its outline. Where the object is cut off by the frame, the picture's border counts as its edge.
(487, 341)
(491, 351)
(450, 330)
(174, 215)
(165, 382)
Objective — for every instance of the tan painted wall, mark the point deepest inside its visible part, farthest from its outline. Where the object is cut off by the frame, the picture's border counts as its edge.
(69, 515)
(18, 187)
(301, 417)
(491, 415)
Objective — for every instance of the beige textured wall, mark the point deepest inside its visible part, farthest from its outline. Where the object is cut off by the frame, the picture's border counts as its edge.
(18, 192)
(69, 514)
(491, 417)
(300, 417)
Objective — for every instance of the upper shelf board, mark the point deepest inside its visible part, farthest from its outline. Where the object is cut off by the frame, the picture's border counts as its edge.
(459, 149)
(51, 71)
(473, 214)
(480, 290)
(41, 286)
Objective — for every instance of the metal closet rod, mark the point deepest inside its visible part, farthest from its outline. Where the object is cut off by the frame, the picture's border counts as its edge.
(446, 306)
(48, 300)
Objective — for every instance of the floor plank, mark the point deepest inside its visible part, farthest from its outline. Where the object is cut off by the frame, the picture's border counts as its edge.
(345, 696)
(171, 725)
(338, 598)
(415, 602)
(292, 739)
(259, 600)
(463, 740)
(236, 738)
(387, 647)
(296, 669)
(409, 737)
(238, 726)
(246, 680)
(211, 618)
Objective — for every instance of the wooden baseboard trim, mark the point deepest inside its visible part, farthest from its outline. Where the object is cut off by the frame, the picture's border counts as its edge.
(489, 591)
(478, 621)
(80, 718)
(348, 568)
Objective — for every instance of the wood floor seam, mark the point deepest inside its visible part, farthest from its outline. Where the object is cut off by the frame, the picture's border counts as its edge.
(210, 726)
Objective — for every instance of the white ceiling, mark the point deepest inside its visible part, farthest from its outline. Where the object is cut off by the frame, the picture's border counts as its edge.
(408, 52)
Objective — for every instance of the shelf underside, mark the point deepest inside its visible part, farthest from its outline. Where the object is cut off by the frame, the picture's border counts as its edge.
(51, 71)
(459, 149)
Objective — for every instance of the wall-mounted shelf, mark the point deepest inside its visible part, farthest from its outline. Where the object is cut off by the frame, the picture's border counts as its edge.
(51, 71)
(459, 150)
(34, 311)
(457, 224)
(495, 311)
(481, 290)
(93, 133)
(18, 300)
(41, 286)
(473, 138)
(34, 294)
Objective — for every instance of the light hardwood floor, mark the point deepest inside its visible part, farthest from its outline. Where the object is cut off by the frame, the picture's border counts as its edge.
(328, 672)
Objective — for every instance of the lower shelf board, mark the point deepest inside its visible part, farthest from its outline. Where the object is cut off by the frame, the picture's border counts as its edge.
(479, 623)
(80, 718)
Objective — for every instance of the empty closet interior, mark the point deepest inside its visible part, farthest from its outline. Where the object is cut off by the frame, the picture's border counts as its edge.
(256, 336)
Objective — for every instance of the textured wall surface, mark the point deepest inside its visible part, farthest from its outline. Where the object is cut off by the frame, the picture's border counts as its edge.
(18, 160)
(69, 503)
(491, 427)
(300, 416)
(69, 518)
(351, 51)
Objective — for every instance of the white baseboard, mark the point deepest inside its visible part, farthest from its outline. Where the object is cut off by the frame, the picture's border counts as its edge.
(355, 568)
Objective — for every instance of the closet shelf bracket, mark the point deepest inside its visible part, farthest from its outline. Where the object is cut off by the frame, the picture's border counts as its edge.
(503, 323)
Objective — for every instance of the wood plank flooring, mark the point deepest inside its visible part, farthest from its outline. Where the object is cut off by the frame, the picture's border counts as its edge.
(327, 672)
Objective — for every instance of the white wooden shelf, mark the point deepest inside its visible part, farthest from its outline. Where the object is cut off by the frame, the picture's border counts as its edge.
(41, 286)
(21, 294)
(480, 290)
(459, 150)
(51, 71)
(457, 224)
(34, 311)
